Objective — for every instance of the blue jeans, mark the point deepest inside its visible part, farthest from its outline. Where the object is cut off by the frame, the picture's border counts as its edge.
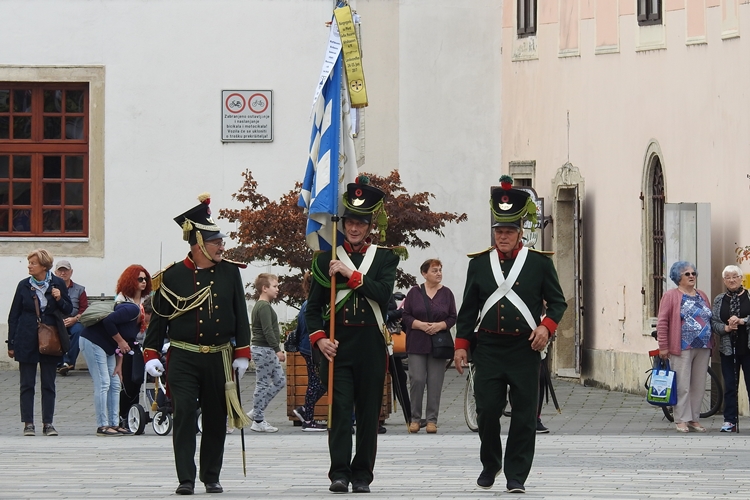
(74, 332)
(106, 385)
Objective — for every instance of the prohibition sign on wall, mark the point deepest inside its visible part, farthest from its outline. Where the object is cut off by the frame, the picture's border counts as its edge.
(247, 116)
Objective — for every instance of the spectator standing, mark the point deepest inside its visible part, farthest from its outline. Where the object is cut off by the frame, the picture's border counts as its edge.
(48, 294)
(80, 301)
(683, 329)
(420, 325)
(266, 350)
(730, 316)
(104, 344)
(133, 365)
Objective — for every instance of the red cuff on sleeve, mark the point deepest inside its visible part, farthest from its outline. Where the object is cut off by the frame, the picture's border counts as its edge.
(355, 281)
(462, 344)
(551, 325)
(242, 352)
(315, 336)
(149, 354)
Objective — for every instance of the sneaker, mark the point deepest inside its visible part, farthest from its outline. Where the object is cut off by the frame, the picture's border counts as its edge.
(49, 430)
(251, 414)
(230, 429)
(314, 426)
(728, 427)
(28, 430)
(540, 428)
(515, 486)
(263, 427)
(64, 369)
(487, 479)
(299, 412)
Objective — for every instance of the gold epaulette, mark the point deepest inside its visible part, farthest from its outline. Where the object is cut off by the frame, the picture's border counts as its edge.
(543, 252)
(475, 254)
(241, 265)
(156, 278)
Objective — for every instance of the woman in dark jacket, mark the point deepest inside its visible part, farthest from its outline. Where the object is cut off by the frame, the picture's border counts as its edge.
(51, 294)
(104, 344)
(421, 321)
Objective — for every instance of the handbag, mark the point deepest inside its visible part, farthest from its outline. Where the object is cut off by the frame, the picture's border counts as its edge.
(49, 339)
(292, 341)
(399, 342)
(662, 388)
(442, 341)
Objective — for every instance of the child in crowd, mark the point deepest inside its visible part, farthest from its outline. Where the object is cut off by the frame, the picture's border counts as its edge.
(266, 351)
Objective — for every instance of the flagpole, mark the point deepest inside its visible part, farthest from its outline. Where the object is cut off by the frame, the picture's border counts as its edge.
(334, 223)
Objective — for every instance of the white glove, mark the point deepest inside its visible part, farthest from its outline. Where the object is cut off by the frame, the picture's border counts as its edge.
(240, 365)
(154, 368)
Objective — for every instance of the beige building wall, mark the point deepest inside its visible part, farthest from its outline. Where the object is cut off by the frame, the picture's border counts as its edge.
(681, 87)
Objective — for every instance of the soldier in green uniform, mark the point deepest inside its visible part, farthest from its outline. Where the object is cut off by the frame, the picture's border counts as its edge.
(365, 275)
(507, 288)
(200, 304)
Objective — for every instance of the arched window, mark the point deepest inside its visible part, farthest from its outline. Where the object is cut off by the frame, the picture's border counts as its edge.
(653, 197)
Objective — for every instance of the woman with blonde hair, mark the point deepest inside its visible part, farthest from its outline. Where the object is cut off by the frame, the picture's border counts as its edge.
(40, 297)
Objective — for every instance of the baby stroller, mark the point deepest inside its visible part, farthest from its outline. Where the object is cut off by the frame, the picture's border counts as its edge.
(156, 408)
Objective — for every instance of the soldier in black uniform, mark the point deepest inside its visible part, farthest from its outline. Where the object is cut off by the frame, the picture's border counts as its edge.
(365, 275)
(507, 287)
(200, 304)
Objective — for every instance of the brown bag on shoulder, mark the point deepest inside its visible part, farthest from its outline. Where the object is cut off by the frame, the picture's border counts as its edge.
(49, 338)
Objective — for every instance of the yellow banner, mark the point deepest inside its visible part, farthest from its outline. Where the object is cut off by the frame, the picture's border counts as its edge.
(355, 75)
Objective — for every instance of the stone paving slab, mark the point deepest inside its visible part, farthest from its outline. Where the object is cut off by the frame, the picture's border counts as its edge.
(604, 445)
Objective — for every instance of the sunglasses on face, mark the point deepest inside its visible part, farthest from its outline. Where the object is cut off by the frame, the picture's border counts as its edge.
(142, 279)
(690, 274)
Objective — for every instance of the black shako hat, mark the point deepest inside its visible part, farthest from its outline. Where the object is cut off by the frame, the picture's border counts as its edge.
(198, 219)
(362, 200)
(511, 206)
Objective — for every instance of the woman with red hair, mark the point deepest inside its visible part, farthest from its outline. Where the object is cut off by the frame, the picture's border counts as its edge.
(105, 343)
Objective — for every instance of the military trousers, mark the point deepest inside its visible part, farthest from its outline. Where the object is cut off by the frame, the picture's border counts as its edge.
(503, 361)
(197, 380)
(358, 378)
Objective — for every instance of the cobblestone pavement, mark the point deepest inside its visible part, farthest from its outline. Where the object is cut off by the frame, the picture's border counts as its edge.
(604, 445)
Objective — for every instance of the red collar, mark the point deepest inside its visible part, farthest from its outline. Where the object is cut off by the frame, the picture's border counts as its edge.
(513, 253)
(189, 262)
(347, 246)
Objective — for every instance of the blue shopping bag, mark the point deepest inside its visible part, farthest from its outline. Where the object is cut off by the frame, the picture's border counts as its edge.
(662, 389)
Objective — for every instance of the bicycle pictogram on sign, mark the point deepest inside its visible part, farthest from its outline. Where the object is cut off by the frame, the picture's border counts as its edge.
(235, 103)
(257, 103)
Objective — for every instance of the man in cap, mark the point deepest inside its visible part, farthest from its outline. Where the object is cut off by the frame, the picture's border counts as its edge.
(365, 275)
(200, 303)
(78, 297)
(507, 288)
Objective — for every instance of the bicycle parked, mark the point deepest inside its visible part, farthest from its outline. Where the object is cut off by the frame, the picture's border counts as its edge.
(712, 398)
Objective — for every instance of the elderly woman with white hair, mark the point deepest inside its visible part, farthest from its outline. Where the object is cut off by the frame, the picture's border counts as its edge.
(731, 313)
(683, 330)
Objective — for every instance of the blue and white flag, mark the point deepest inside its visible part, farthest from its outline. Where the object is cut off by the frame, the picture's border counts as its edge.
(331, 163)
